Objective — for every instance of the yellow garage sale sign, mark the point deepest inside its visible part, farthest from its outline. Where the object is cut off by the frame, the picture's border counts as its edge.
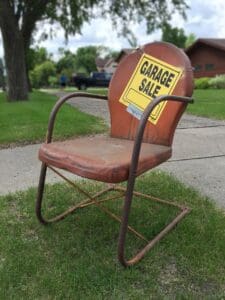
(151, 78)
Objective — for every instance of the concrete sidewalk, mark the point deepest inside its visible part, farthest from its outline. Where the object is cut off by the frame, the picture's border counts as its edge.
(198, 159)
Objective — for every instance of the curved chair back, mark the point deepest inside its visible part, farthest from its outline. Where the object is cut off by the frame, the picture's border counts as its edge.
(160, 131)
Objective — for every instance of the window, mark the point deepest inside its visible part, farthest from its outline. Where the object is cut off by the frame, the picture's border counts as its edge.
(209, 67)
(197, 68)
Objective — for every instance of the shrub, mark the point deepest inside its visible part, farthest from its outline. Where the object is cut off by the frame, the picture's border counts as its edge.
(53, 81)
(202, 83)
(41, 73)
(217, 82)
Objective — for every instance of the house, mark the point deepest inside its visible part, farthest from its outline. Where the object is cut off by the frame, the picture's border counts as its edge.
(207, 57)
(107, 65)
(100, 63)
(123, 53)
(110, 66)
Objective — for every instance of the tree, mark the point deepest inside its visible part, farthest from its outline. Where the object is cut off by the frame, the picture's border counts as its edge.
(2, 77)
(85, 58)
(173, 35)
(66, 63)
(191, 38)
(41, 74)
(34, 57)
(19, 19)
(37, 56)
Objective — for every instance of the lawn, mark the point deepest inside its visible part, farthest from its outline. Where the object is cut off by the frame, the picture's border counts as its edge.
(208, 103)
(26, 121)
(76, 259)
(71, 89)
(96, 90)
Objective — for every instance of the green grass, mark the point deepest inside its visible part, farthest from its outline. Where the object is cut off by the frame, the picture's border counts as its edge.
(70, 89)
(96, 90)
(76, 259)
(26, 121)
(208, 103)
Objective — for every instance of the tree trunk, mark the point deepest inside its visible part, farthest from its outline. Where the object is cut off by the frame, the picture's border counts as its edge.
(15, 67)
(27, 70)
(17, 87)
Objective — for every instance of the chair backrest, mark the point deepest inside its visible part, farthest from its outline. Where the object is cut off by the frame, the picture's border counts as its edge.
(123, 123)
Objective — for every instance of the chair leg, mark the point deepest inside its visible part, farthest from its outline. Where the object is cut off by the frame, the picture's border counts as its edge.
(40, 192)
(124, 222)
(124, 225)
(90, 200)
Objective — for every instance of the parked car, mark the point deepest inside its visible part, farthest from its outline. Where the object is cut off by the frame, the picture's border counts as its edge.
(96, 79)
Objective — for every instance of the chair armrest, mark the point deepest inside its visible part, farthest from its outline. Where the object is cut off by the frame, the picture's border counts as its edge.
(150, 107)
(59, 103)
(140, 130)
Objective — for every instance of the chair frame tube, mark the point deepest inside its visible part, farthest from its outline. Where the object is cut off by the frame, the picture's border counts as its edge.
(129, 191)
(131, 181)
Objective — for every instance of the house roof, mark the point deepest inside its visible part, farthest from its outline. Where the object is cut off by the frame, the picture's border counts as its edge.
(109, 61)
(103, 63)
(100, 62)
(215, 43)
(122, 52)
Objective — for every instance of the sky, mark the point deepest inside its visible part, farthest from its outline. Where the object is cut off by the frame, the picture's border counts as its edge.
(205, 19)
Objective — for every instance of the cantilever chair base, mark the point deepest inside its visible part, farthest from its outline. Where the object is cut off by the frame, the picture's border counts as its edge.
(138, 140)
(93, 200)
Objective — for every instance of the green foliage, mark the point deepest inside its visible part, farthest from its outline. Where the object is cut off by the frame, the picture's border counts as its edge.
(71, 14)
(24, 15)
(45, 72)
(53, 81)
(41, 74)
(67, 63)
(76, 258)
(202, 83)
(37, 56)
(191, 38)
(173, 35)
(217, 82)
(85, 58)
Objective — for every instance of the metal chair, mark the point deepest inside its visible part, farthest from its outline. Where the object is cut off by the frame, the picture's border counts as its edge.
(133, 146)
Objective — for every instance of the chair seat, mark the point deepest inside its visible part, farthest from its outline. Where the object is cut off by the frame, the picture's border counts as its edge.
(102, 158)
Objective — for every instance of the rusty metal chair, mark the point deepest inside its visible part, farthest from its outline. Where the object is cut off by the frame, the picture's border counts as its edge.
(133, 146)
